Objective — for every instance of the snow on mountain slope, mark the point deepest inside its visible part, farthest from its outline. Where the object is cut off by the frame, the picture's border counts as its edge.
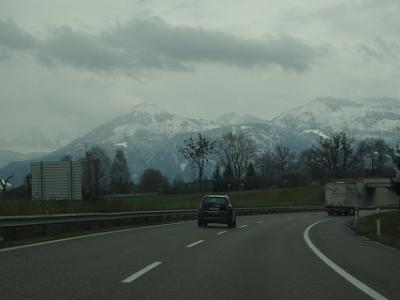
(146, 121)
(150, 135)
(373, 117)
(236, 119)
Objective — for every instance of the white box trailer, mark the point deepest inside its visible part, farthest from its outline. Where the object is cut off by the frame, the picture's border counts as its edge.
(341, 198)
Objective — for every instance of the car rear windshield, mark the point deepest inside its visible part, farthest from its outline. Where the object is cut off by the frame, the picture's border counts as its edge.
(215, 200)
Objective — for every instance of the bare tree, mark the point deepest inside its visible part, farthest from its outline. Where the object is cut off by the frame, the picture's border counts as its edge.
(311, 165)
(284, 162)
(120, 176)
(264, 163)
(335, 154)
(237, 151)
(98, 153)
(28, 182)
(4, 183)
(333, 157)
(197, 151)
(375, 152)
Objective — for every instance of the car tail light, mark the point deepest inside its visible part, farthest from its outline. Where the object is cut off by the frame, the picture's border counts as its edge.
(228, 206)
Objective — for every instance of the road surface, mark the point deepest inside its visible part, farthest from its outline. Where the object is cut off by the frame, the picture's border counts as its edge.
(265, 257)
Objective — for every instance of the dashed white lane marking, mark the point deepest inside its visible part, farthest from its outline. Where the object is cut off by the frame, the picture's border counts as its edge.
(260, 222)
(243, 226)
(141, 272)
(222, 232)
(194, 244)
(88, 235)
(354, 281)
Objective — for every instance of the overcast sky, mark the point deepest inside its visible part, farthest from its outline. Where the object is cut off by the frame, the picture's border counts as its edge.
(72, 65)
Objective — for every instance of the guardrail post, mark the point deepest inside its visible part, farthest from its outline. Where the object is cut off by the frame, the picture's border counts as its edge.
(378, 222)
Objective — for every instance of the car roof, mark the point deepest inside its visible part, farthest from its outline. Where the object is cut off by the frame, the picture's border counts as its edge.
(216, 196)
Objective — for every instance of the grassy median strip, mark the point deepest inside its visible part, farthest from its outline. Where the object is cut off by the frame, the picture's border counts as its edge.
(284, 197)
(390, 228)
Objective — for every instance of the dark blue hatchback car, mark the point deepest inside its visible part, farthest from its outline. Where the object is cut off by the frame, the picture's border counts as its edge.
(216, 209)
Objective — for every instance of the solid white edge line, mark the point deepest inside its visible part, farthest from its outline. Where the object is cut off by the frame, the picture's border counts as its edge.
(243, 226)
(260, 222)
(87, 235)
(222, 232)
(354, 281)
(194, 244)
(141, 272)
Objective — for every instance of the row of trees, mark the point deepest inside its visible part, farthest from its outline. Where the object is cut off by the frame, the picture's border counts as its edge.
(114, 176)
(240, 165)
(234, 151)
(103, 175)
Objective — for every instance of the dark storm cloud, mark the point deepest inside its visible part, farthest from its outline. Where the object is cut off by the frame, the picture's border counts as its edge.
(153, 44)
(12, 37)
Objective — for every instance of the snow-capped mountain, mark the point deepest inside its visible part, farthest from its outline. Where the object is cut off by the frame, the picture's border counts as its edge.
(237, 119)
(150, 135)
(148, 122)
(372, 117)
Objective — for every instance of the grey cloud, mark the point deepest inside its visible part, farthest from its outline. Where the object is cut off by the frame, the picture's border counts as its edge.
(153, 44)
(380, 49)
(12, 37)
(80, 50)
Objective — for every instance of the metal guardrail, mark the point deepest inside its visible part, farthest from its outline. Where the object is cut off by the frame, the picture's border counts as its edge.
(30, 220)
(12, 221)
(22, 227)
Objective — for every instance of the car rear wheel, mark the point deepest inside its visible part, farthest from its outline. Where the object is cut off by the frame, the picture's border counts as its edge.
(232, 223)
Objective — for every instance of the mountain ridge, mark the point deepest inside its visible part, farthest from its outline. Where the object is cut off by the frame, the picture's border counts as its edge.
(150, 135)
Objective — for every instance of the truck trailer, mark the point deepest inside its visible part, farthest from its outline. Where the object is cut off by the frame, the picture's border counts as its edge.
(341, 198)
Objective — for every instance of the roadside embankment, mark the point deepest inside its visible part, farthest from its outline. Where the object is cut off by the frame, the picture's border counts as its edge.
(390, 228)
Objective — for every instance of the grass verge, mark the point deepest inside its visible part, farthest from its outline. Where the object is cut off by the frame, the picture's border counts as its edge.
(390, 228)
(303, 196)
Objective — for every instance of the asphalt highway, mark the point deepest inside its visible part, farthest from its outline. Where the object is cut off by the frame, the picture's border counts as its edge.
(265, 257)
